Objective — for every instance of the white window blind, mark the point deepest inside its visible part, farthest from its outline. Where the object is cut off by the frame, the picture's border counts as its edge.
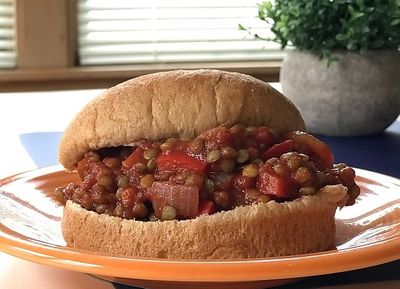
(156, 31)
(7, 37)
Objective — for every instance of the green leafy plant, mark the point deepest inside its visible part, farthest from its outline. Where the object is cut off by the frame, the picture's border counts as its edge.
(322, 26)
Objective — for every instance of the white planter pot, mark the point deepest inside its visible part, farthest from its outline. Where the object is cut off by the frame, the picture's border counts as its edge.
(356, 95)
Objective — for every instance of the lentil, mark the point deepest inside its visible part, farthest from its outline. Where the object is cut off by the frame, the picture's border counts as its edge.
(112, 163)
(279, 169)
(86, 201)
(252, 193)
(302, 175)
(263, 199)
(150, 154)
(223, 199)
(106, 180)
(147, 181)
(250, 171)
(243, 156)
(151, 164)
(181, 178)
(257, 161)
(196, 146)
(307, 191)
(222, 181)
(228, 153)
(194, 180)
(99, 194)
(210, 186)
(168, 213)
(213, 156)
(92, 156)
(166, 146)
(292, 160)
(118, 211)
(140, 211)
(228, 165)
(140, 167)
(100, 209)
(122, 181)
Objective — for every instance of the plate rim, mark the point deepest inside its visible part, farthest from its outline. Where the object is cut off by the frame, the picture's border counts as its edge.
(287, 267)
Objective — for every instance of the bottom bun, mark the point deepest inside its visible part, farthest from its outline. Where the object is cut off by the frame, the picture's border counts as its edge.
(301, 226)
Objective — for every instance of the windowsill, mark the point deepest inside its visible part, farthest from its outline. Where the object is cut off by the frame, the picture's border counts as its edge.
(106, 76)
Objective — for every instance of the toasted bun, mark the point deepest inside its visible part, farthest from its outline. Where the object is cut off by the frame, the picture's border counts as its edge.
(177, 103)
(273, 229)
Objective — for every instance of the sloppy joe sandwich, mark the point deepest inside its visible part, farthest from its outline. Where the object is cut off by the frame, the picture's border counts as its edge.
(201, 164)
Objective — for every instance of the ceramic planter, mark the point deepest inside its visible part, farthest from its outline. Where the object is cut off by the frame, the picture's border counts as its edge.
(357, 95)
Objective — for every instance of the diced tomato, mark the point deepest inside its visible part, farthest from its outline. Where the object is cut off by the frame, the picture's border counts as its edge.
(270, 183)
(242, 183)
(135, 157)
(206, 207)
(88, 183)
(180, 161)
(185, 199)
(264, 136)
(318, 151)
(217, 138)
(278, 149)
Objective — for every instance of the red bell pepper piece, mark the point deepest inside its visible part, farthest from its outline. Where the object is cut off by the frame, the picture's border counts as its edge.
(135, 157)
(217, 137)
(180, 161)
(317, 150)
(279, 149)
(270, 183)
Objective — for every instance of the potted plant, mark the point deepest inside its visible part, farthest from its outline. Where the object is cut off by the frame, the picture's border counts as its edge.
(344, 73)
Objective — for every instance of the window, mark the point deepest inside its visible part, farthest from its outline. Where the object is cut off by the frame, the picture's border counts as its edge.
(98, 43)
(7, 39)
(156, 31)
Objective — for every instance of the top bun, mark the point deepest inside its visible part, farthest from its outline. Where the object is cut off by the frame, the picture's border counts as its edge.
(181, 103)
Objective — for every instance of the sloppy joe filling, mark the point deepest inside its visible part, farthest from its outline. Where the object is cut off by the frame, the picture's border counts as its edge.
(217, 171)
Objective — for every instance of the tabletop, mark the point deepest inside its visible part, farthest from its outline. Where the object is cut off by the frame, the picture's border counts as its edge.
(32, 124)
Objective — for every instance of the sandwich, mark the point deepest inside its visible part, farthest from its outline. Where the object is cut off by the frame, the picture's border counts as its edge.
(200, 164)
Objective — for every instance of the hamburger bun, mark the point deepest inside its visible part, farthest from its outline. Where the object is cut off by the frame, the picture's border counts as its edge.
(301, 226)
(177, 103)
(184, 104)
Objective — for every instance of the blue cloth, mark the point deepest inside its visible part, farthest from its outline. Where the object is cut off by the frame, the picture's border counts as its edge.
(379, 153)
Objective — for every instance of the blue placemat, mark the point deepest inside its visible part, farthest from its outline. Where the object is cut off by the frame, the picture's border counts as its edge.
(379, 153)
(42, 147)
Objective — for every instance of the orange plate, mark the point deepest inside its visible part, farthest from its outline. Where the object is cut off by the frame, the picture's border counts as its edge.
(368, 233)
